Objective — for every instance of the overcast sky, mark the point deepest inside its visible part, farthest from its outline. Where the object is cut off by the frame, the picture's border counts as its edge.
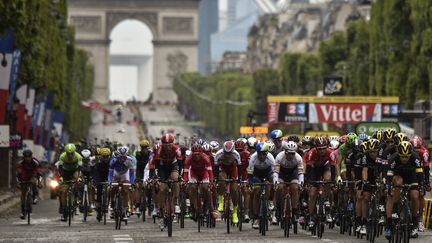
(134, 38)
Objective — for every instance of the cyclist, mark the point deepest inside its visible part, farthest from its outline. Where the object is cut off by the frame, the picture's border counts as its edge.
(386, 146)
(319, 158)
(261, 167)
(198, 168)
(69, 167)
(28, 170)
(276, 138)
(405, 168)
(142, 157)
(289, 168)
(417, 143)
(214, 146)
(240, 147)
(122, 170)
(344, 165)
(251, 143)
(100, 175)
(228, 160)
(86, 173)
(166, 161)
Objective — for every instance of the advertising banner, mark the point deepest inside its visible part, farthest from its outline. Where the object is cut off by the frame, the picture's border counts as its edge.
(4, 136)
(370, 127)
(331, 109)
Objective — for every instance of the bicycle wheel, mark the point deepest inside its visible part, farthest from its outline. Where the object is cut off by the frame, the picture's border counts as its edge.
(29, 203)
(169, 225)
(104, 205)
(143, 204)
(85, 205)
(182, 208)
(240, 210)
(263, 219)
(227, 210)
(287, 215)
(69, 208)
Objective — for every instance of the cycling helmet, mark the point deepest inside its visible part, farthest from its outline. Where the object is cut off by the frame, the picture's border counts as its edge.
(342, 139)
(291, 147)
(294, 138)
(200, 142)
(86, 154)
(416, 142)
(144, 143)
(70, 148)
(276, 134)
(122, 151)
(334, 144)
(373, 145)
(27, 153)
(320, 142)
(333, 138)
(399, 137)
(228, 147)
(272, 147)
(378, 135)
(105, 152)
(98, 151)
(167, 138)
(405, 148)
(252, 141)
(389, 134)
(363, 137)
(206, 147)
(307, 140)
(262, 147)
(364, 146)
(196, 148)
(214, 145)
(351, 137)
(239, 144)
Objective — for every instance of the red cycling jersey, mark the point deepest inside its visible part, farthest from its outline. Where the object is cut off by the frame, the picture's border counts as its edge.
(424, 156)
(319, 159)
(244, 158)
(305, 157)
(198, 168)
(167, 156)
(27, 170)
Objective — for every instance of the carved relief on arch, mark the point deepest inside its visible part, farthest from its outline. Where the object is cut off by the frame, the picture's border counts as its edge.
(177, 63)
(148, 18)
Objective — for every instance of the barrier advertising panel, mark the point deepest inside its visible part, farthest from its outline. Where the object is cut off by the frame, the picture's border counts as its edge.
(331, 109)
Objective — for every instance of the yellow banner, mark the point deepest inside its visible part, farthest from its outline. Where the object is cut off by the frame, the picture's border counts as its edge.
(321, 134)
(255, 130)
(333, 99)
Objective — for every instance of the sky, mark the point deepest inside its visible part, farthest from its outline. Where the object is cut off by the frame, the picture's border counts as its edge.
(130, 37)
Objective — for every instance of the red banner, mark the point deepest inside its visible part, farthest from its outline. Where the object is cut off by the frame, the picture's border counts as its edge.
(96, 106)
(344, 113)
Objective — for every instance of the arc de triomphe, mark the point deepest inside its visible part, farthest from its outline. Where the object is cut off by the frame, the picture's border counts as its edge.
(174, 24)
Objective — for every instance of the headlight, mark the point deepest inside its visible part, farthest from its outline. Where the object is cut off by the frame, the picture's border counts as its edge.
(54, 184)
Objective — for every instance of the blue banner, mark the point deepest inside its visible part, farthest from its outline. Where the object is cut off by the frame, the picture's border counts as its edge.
(16, 61)
(7, 42)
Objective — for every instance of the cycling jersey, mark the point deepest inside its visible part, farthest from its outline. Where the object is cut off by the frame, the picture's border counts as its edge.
(316, 159)
(122, 171)
(244, 158)
(168, 157)
(198, 168)
(28, 169)
(68, 164)
(411, 171)
(142, 158)
(424, 158)
(101, 170)
(261, 169)
(288, 170)
(333, 157)
(279, 149)
(228, 163)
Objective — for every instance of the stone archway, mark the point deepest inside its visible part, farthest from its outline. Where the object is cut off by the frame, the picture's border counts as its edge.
(174, 24)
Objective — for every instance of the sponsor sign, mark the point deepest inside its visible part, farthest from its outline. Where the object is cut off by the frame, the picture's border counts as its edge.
(331, 109)
(253, 130)
(343, 113)
(370, 127)
(333, 86)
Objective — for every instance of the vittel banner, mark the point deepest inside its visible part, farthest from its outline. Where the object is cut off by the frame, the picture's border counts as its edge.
(344, 113)
(331, 109)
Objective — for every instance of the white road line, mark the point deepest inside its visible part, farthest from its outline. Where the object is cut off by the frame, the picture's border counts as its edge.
(122, 238)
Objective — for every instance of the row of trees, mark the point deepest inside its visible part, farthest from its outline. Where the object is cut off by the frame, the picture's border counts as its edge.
(390, 55)
(50, 60)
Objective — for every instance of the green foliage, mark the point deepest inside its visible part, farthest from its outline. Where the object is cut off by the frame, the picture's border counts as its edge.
(50, 61)
(222, 101)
